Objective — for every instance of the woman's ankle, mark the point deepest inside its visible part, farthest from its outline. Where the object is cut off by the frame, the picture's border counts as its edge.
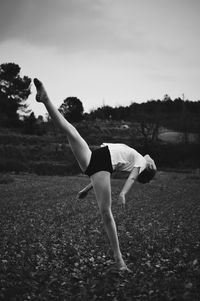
(119, 260)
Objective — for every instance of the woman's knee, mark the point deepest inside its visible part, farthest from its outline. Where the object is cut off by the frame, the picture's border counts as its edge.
(106, 214)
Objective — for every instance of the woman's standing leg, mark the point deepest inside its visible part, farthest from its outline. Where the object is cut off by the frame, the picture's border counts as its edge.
(78, 145)
(102, 189)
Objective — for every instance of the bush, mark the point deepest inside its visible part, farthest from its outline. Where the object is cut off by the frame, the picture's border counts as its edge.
(8, 165)
(174, 155)
(16, 139)
(51, 155)
(14, 152)
(54, 168)
(6, 179)
(47, 152)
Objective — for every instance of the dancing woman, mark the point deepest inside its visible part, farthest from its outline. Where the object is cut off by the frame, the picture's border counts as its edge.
(99, 165)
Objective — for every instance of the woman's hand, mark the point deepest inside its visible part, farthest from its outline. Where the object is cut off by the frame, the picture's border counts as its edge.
(122, 200)
(82, 194)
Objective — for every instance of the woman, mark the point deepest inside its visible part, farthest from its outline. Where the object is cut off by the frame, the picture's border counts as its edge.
(125, 158)
(99, 165)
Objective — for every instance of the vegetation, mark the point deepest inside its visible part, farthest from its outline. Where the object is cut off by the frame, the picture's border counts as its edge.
(52, 246)
(55, 248)
(72, 109)
(14, 91)
(50, 154)
(177, 114)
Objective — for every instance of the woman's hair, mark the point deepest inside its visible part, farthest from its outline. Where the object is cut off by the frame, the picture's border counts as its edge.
(146, 175)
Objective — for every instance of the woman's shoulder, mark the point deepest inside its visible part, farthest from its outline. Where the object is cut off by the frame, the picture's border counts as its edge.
(121, 147)
(114, 145)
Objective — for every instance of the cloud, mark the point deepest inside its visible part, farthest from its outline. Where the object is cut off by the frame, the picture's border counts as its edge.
(161, 27)
(71, 25)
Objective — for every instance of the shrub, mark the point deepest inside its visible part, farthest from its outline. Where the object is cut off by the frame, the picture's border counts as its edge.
(16, 139)
(54, 168)
(174, 155)
(8, 165)
(6, 179)
(14, 152)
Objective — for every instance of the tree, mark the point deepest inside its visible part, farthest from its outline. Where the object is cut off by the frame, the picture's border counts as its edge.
(14, 91)
(166, 97)
(149, 119)
(72, 109)
(30, 124)
(149, 131)
(103, 113)
(185, 121)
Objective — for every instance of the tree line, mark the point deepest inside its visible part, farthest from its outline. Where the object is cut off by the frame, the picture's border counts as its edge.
(178, 114)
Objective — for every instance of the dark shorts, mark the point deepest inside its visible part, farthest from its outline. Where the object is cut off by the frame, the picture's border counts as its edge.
(100, 161)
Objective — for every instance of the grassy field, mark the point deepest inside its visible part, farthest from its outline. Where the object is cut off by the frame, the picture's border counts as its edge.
(176, 137)
(53, 247)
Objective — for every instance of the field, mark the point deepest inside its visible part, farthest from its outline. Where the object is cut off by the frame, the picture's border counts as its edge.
(54, 247)
(176, 137)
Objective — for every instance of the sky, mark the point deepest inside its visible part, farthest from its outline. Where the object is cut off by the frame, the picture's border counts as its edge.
(105, 52)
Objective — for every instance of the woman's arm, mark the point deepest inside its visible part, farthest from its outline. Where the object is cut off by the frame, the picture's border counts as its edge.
(128, 184)
(82, 194)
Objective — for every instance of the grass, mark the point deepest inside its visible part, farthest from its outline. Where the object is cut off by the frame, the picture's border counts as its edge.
(177, 137)
(6, 179)
(55, 248)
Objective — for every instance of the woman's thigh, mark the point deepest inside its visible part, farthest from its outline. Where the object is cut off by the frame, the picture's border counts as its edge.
(79, 148)
(102, 189)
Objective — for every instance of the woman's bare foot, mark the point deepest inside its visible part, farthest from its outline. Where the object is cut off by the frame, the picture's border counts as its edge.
(117, 268)
(121, 266)
(41, 95)
(125, 269)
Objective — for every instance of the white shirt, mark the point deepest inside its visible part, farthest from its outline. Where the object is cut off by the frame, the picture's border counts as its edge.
(125, 158)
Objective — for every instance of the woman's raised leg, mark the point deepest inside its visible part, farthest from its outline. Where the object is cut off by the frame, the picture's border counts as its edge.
(78, 145)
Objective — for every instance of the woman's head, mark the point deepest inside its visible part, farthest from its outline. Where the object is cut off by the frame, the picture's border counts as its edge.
(149, 172)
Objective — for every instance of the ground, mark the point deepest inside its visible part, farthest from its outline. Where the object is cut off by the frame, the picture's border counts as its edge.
(53, 247)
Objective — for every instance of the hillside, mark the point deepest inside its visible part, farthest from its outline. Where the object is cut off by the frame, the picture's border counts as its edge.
(50, 153)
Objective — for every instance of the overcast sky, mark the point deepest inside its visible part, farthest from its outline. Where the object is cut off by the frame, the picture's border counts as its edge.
(110, 52)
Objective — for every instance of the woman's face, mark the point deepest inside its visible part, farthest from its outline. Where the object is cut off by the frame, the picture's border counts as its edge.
(150, 166)
(150, 163)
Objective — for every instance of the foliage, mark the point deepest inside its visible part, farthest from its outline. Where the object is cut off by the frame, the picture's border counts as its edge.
(14, 91)
(175, 114)
(13, 165)
(6, 179)
(20, 139)
(55, 248)
(54, 168)
(40, 155)
(51, 155)
(72, 109)
(178, 114)
(30, 124)
(179, 156)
